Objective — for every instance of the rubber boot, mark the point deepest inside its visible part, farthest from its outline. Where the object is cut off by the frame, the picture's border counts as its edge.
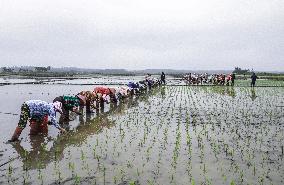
(16, 134)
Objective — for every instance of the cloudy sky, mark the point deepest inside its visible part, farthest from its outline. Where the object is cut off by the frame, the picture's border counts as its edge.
(140, 34)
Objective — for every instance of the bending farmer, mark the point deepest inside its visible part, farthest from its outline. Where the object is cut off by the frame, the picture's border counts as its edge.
(88, 99)
(69, 103)
(37, 112)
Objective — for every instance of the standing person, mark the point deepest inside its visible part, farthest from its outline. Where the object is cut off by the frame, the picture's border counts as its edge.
(37, 112)
(233, 79)
(163, 78)
(253, 79)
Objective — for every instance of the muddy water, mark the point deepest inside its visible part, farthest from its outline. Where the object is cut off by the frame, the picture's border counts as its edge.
(172, 135)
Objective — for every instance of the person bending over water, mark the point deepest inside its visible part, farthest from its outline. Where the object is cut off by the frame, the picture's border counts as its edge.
(69, 103)
(105, 94)
(37, 112)
(133, 87)
(88, 99)
(123, 92)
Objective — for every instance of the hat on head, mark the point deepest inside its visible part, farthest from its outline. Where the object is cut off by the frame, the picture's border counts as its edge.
(58, 106)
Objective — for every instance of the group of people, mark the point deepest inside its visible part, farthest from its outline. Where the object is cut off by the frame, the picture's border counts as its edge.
(214, 79)
(40, 113)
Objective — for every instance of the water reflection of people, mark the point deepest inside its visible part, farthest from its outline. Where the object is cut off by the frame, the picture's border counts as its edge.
(231, 91)
(81, 118)
(129, 102)
(253, 95)
(228, 90)
(39, 156)
(163, 92)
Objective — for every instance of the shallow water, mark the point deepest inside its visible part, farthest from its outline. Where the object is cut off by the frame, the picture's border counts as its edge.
(81, 80)
(172, 135)
(119, 80)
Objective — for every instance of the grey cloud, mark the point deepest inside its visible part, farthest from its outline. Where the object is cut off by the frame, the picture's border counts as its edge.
(67, 41)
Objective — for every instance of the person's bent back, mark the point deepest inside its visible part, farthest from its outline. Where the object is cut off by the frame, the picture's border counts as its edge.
(37, 112)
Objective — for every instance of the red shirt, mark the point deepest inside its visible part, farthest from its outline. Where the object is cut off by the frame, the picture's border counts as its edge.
(102, 90)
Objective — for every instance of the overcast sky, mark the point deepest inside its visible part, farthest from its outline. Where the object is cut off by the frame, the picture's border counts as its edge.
(140, 34)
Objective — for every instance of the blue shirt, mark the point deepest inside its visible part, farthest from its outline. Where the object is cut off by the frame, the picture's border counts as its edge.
(39, 109)
(133, 85)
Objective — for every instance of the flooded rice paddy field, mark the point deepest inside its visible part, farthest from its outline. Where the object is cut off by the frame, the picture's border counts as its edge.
(171, 135)
(118, 80)
(75, 80)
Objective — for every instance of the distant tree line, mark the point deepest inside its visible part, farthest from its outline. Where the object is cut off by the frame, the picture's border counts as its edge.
(24, 69)
(240, 71)
(34, 71)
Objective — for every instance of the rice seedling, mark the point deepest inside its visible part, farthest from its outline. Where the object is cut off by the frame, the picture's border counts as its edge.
(190, 135)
